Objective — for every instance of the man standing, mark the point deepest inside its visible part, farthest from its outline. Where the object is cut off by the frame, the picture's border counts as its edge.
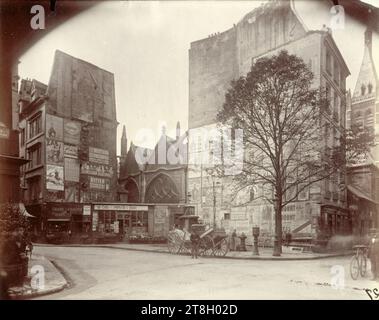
(195, 239)
(374, 256)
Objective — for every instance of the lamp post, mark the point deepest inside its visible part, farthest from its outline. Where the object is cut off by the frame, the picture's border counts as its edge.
(210, 172)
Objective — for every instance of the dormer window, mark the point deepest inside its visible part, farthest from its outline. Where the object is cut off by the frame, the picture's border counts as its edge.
(369, 87)
(363, 89)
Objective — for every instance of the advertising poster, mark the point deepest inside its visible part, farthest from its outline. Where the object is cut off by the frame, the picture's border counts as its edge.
(71, 193)
(54, 177)
(54, 152)
(71, 170)
(71, 132)
(98, 155)
(70, 151)
(99, 183)
(100, 170)
(54, 127)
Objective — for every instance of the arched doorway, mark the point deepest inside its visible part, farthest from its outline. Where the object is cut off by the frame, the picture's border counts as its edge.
(162, 190)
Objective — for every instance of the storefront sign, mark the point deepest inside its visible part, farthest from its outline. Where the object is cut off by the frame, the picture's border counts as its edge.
(63, 211)
(86, 210)
(119, 207)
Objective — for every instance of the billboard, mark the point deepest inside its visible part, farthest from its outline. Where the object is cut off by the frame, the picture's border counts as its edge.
(71, 170)
(71, 132)
(54, 177)
(54, 152)
(100, 170)
(54, 127)
(98, 155)
(70, 151)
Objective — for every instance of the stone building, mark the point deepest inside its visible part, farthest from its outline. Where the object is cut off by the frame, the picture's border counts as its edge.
(222, 57)
(363, 176)
(68, 134)
(155, 178)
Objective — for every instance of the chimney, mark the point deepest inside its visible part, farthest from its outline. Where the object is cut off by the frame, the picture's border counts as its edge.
(177, 131)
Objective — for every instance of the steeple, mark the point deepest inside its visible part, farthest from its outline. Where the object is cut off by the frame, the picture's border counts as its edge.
(124, 142)
(367, 79)
(177, 130)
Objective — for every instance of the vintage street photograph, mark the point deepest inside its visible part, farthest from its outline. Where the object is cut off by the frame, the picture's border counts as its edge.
(189, 150)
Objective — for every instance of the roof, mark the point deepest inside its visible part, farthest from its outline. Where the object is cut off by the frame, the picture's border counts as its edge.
(360, 194)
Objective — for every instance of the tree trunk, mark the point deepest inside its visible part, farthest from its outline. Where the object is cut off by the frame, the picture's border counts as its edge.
(278, 229)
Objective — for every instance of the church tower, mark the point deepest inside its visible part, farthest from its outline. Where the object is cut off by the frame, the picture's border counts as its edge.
(365, 103)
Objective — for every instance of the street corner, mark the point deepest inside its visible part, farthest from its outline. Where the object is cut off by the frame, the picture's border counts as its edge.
(43, 278)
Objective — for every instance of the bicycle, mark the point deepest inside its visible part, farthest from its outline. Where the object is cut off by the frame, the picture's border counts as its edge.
(358, 263)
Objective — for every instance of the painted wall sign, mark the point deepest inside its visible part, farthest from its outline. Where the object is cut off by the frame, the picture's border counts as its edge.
(71, 170)
(99, 183)
(98, 155)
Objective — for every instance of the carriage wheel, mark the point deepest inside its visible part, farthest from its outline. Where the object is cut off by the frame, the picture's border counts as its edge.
(173, 244)
(205, 246)
(354, 268)
(221, 248)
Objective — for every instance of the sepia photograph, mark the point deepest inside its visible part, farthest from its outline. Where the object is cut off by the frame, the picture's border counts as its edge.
(189, 150)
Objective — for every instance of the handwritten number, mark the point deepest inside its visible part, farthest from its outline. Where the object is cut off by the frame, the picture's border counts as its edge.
(368, 292)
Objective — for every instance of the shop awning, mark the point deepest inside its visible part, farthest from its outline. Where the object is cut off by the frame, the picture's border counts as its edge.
(360, 194)
(58, 220)
(24, 211)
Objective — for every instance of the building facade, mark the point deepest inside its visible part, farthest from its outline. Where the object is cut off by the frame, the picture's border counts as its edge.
(68, 134)
(222, 57)
(154, 179)
(363, 111)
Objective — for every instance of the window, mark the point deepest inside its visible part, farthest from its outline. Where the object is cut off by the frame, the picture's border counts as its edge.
(336, 73)
(34, 155)
(369, 87)
(22, 136)
(226, 216)
(363, 89)
(34, 188)
(35, 126)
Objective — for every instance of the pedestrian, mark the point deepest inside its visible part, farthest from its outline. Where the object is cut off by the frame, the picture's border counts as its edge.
(195, 239)
(374, 256)
(233, 238)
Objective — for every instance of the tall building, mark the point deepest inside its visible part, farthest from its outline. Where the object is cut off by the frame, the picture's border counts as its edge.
(363, 177)
(222, 57)
(68, 134)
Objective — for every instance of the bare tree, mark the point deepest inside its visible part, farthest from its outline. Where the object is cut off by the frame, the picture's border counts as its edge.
(286, 122)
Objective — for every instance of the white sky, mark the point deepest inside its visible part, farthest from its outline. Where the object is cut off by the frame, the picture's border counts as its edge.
(145, 44)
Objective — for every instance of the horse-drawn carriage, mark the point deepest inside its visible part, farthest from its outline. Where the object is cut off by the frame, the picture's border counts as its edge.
(212, 241)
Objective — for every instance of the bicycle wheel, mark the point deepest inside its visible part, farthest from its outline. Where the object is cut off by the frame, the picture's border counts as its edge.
(363, 265)
(354, 268)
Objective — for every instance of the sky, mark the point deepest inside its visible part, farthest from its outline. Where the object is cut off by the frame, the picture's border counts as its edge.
(145, 44)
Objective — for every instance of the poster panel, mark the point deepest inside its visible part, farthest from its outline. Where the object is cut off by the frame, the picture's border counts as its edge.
(54, 127)
(71, 131)
(71, 193)
(100, 170)
(71, 170)
(54, 177)
(99, 183)
(54, 152)
(98, 155)
(71, 151)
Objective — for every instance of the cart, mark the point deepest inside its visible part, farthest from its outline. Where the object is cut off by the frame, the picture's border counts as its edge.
(213, 242)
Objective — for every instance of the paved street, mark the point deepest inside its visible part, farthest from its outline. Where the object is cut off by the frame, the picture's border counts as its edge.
(101, 273)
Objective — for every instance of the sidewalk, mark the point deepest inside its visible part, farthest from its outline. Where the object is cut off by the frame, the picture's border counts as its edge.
(53, 280)
(264, 253)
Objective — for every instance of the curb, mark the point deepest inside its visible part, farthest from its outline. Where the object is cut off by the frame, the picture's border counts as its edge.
(219, 257)
(36, 294)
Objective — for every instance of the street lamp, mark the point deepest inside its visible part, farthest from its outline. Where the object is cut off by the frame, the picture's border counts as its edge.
(210, 172)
